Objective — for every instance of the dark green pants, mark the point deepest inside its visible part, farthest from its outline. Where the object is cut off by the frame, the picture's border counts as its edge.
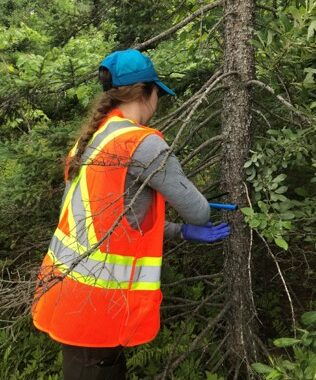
(87, 363)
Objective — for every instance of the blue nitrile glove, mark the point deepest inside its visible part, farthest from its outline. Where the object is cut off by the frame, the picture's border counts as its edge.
(205, 234)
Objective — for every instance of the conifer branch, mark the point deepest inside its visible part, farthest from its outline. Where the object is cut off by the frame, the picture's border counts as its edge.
(164, 35)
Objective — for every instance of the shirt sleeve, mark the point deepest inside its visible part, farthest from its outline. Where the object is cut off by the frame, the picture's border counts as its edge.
(172, 231)
(170, 180)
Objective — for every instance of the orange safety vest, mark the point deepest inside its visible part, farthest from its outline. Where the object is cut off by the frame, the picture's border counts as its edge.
(112, 296)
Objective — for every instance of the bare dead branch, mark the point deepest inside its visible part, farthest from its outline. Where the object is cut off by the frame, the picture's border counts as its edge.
(189, 279)
(194, 130)
(261, 114)
(221, 361)
(280, 98)
(172, 250)
(205, 164)
(217, 349)
(163, 124)
(276, 116)
(205, 144)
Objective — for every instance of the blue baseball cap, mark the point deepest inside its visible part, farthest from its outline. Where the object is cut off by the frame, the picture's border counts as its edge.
(131, 66)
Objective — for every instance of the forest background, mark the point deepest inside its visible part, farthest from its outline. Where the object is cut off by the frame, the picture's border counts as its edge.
(226, 314)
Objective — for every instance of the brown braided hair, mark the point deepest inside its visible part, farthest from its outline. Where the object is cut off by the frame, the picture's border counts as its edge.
(109, 99)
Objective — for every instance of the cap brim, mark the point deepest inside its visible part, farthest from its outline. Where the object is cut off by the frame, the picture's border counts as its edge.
(164, 88)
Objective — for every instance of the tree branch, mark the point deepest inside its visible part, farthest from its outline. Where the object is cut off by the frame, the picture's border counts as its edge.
(189, 279)
(205, 144)
(164, 35)
(212, 322)
(282, 279)
(280, 98)
(262, 116)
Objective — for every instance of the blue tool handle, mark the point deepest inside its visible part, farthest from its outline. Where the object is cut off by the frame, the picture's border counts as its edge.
(224, 206)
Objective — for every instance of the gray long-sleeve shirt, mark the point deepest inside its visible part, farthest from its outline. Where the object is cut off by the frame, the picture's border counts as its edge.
(170, 181)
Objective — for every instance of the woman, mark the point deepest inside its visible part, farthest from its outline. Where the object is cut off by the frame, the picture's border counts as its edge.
(99, 284)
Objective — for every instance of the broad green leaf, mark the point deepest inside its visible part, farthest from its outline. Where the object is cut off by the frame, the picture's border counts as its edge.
(263, 206)
(274, 375)
(288, 365)
(279, 178)
(287, 216)
(286, 342)
(281, 243)
(247, 211)
(278, 197)
(302, 191)
(254, 223)
(261, 368)
(309, 318)
(285, 206)
(287, 225)
(273, 185)
(281, 189)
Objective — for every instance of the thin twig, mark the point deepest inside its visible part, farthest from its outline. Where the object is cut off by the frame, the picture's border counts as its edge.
(261, 114)
(282, 279)
(249, 255)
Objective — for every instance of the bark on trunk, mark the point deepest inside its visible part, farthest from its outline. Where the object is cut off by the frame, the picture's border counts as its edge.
(236, 122)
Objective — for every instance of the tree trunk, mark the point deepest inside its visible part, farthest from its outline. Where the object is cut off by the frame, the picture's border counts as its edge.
(236, 122)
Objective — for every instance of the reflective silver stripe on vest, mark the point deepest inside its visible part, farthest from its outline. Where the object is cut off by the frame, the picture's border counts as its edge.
(147, 274)
(77, 201)
(67, 188)
(102, 270)
(112, 126)
(80, 217)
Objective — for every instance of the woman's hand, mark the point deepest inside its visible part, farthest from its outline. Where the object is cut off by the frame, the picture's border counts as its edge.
(205, 234)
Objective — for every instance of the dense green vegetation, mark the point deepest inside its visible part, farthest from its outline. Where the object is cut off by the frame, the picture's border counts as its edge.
(49, 55)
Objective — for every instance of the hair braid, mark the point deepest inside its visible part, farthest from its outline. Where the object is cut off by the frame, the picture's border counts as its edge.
(109, 99)
(105, 105)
